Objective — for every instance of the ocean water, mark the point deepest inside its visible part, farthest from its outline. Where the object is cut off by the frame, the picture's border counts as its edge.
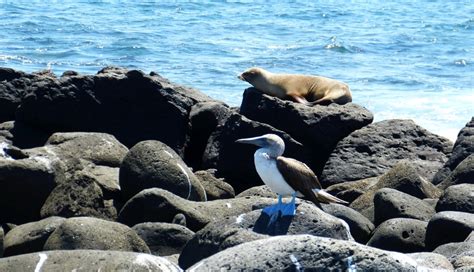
(402, 59)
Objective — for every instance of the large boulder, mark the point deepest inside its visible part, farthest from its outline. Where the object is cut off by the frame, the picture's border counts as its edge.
(125, 103)
(351, 190)
(235, 230)
(390, 203)
(153, 164)
(158, 205)
(459, 254)
(234, 161)
(30, 237)
(25, 184)
(93, 233)
(457, 198)
(449, 226)
(360, 227)
(318, 128)
(463, 173)
(87, 260)
(298, 252)
(163, 239)
(400, 234)
(402, 177)
(374, 149)
(463, 147)
(261, 191)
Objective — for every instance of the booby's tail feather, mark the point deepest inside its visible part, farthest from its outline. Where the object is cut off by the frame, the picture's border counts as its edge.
(326, 197)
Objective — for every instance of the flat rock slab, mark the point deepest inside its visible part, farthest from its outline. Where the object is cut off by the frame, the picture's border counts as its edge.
(374, 149)
(317, 127)
(235, 230)
(86, 260)
(298, 252)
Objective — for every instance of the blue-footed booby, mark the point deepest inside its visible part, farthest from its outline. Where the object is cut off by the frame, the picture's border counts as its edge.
(286, 176)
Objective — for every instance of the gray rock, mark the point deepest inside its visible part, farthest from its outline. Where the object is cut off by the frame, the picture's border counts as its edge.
(80, 196)
(30, 237)
(449, 226)
(2, 236)
(235, 230)
(457, 198)
(234, 161)
(318, 128)
(465, 262)
(261, 191)
(390, 203)
(163, 239)
(93, 233)
(157, 205)
(400, 234)
(216, 188)
(86, 260)
(25, 184)
(125, 103)
(429, 260)
(351, 190)
(374, 149)
(151, 164)
(463, 147)
(402, 177)
(454, 251)
(360, 227)
(297, 252)
(11, 92)
(431, 202)
(204, 118)
(463, 173)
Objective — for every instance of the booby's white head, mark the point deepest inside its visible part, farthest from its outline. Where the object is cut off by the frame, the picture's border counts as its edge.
(274, 145)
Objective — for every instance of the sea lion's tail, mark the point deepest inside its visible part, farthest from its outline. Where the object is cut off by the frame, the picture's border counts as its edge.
(326, 197)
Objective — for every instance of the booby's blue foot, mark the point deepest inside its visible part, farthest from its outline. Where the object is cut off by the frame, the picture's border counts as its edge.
(290, 208)
(274, 211)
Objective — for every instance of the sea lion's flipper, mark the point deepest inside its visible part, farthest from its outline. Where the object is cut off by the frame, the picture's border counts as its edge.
(299, 99)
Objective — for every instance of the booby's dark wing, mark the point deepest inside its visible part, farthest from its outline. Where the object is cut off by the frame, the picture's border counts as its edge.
(299, 176)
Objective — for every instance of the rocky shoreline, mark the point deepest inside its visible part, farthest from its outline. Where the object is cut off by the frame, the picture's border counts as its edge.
(127, 171)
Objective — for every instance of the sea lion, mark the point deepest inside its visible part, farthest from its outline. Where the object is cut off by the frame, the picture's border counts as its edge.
(306, 89)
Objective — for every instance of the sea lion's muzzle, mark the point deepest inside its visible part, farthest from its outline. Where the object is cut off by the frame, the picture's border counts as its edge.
(241, 77)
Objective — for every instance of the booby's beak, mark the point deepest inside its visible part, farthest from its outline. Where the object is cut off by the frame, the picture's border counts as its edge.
(258, 141)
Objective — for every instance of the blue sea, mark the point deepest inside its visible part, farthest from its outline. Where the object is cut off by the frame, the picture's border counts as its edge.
(402, 59)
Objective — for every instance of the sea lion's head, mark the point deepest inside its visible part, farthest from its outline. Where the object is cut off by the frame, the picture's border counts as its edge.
(252, 75)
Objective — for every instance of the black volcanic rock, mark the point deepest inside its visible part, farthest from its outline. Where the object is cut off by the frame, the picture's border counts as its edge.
(463, 147)
(311, 253)
(234, 161)
(153, 164)
(12, 89)
(250, 226)
(400, 234)
(93, 233)
(448, 226)
(125, 103)
(457, 198)
(30, 237)
(318, 128)
(390, 203)
(463, 173)
(374, 149)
